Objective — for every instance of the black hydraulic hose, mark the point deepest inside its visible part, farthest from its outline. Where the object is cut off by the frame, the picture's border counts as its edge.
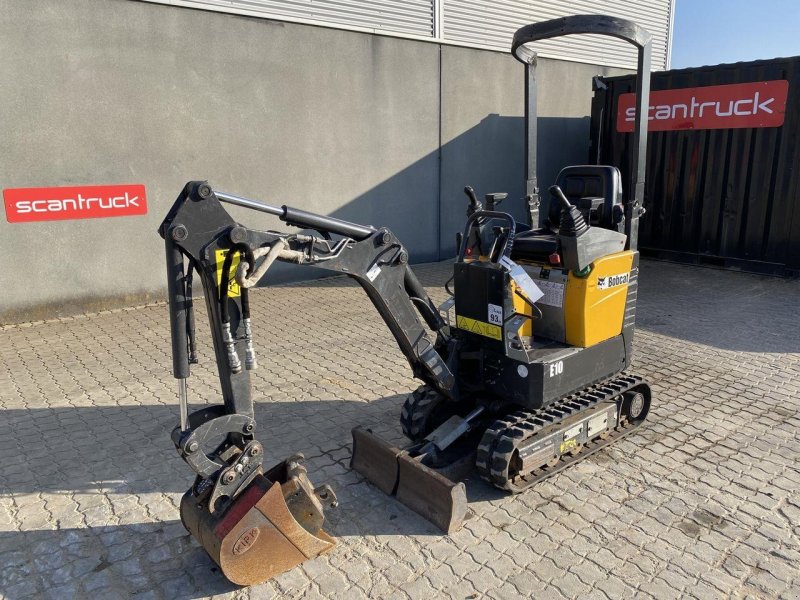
(447, 285)
(225, 281)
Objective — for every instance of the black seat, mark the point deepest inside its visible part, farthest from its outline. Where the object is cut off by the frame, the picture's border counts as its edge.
(536, 245)
(595, 189)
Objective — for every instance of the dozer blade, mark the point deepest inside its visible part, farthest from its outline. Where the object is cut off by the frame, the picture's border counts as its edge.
(424, 490)
(258, 536)
(431, 494)
(375, 459)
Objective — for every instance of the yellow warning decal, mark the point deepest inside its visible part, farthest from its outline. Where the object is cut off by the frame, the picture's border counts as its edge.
(568, 445)
(479, 327)
(233, 287)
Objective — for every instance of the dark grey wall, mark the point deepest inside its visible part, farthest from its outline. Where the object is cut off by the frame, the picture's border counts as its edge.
(373, 129)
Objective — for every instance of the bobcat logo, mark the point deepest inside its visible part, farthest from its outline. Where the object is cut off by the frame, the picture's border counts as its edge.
(604, 283)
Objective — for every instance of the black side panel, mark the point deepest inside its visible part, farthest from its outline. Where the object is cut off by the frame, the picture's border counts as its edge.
(563, 372)
(478, 285)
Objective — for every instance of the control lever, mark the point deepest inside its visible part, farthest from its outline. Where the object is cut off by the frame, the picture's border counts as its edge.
(474, 204)
(572, 222)
(559, 194)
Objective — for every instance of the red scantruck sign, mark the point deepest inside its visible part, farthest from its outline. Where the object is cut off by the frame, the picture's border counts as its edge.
(80, 202)
(733, 106)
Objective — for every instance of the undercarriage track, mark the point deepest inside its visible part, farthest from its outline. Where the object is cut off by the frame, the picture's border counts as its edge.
(513, 440)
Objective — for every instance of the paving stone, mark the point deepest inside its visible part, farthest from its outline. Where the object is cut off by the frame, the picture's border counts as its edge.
(700, 502)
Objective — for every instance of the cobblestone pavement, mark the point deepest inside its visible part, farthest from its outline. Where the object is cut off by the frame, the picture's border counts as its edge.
(701, 502)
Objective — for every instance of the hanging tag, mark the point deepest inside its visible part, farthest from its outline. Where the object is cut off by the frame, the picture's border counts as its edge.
(525, 284)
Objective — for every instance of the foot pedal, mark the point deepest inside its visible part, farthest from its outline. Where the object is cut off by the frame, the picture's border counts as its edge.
(424, 490)
(271, 527)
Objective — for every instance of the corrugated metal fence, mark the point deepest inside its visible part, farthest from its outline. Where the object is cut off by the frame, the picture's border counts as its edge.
(486, 24)
(722, 196)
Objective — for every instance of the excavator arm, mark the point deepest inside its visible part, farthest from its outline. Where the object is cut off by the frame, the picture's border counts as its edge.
(233, 497)
(200, 229)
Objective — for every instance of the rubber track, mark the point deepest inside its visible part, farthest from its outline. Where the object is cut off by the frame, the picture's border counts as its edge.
(505, 435)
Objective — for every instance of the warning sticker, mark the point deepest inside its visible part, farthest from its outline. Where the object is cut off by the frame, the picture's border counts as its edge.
(475, 326)
(553, 292)
(495, 314)
(570, 444)
(233, 287)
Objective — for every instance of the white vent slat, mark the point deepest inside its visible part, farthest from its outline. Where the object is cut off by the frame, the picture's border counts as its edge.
(411, 17)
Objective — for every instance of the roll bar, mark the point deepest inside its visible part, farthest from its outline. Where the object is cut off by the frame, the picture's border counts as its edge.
(599, 25)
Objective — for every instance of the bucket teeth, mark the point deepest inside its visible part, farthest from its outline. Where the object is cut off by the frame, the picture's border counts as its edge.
(422, 489)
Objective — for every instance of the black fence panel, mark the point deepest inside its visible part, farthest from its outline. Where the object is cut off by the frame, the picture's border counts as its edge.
(729, 197)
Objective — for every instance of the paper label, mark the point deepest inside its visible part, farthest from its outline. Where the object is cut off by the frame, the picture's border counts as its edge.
(553, 292)
(525, 284)
(373, 272)
(495, 314)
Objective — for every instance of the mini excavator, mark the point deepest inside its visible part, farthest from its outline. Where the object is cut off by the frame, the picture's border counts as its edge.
(522, 368)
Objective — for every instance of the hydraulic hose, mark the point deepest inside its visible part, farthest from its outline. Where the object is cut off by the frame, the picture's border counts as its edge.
(245, 251)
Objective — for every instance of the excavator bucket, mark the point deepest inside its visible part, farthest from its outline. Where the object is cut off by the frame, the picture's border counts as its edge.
(272, 526)
(424, 490)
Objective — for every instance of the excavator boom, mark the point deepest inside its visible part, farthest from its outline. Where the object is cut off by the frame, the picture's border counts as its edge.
(253, 523)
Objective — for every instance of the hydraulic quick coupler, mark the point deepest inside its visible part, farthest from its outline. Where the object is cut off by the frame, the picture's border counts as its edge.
(233, 358)
(250, 362)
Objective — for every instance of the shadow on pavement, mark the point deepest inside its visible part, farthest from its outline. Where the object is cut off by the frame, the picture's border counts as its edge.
(137, 558)
(138, 476)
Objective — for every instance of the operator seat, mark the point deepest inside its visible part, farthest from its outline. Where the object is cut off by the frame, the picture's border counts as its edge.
(597, 192)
